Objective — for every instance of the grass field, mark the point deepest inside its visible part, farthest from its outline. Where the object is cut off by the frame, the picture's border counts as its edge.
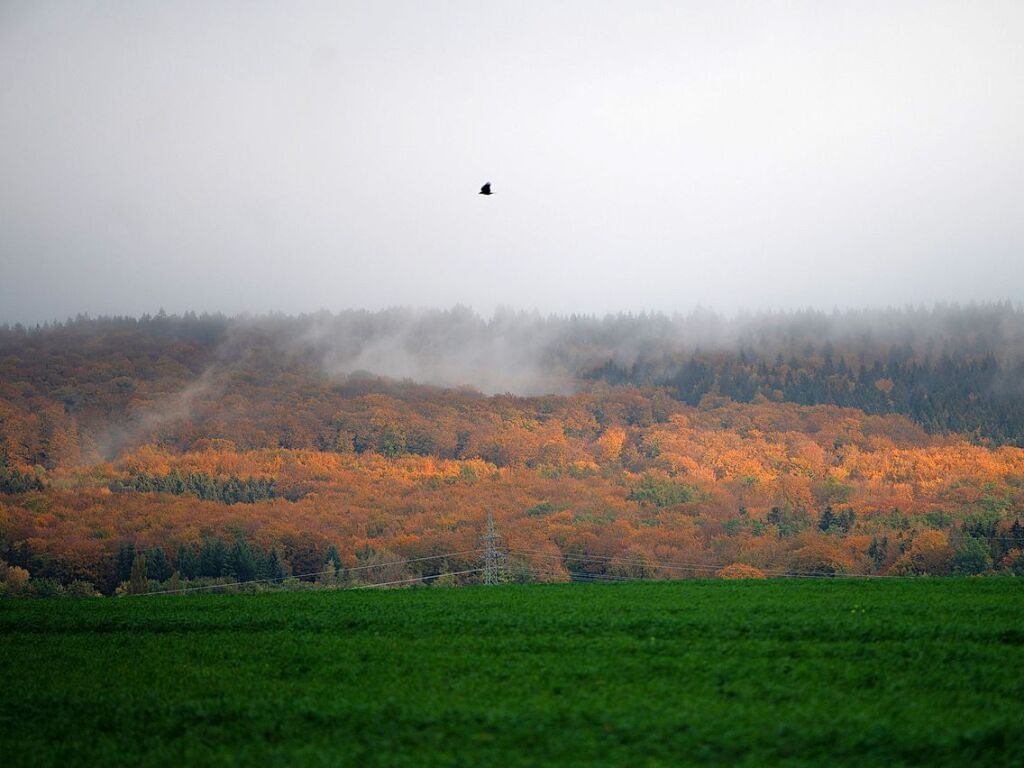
(815, 672)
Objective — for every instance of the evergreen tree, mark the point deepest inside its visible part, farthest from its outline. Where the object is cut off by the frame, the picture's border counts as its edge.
(334, 558)
(333, 570)
(844, 520)
(271, 566)
(878, 551)
(231, 491)
(188, 564)
(827, 519)
(157, 567)
(125, 559)
(1016, 537)
(1018, 566)
(213, 558)
(174, 483)
(241, 563)
(137, 582)
(972, 558)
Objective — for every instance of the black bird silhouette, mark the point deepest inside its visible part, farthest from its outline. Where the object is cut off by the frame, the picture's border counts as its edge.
(486, 189)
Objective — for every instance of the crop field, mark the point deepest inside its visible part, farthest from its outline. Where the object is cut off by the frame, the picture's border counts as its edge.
(813, 672)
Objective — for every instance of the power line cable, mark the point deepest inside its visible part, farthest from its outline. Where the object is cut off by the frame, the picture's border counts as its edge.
(303, 575)
(678, 566)
(582, 577)
(703, 566)
(417, 578)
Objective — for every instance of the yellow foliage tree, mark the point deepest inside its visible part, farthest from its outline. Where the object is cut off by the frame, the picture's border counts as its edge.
(740, 571)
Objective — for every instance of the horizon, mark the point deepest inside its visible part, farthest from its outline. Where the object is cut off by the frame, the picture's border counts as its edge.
(502, 311)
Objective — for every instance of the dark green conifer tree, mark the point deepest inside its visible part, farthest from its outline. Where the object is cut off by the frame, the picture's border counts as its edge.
(137, 581)
(188, 564)
(157, 567)
(827, 519)
(125, 559)
(272, 568)
(241, 563)
(333, 567)
(213, 558)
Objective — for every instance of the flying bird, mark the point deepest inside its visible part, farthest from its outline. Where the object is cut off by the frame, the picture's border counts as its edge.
(486, 189)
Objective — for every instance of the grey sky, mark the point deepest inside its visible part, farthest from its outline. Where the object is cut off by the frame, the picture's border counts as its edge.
(246, 156)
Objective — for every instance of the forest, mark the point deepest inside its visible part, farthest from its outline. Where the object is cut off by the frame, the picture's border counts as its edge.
(366, 447)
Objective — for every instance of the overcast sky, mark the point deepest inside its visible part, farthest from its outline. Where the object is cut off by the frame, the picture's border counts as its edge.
(250, 156)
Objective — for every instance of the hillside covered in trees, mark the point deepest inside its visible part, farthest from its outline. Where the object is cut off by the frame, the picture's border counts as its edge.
(868, 443)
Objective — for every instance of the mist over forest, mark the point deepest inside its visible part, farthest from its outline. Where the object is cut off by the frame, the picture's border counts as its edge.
(950, 368)
(530, 353)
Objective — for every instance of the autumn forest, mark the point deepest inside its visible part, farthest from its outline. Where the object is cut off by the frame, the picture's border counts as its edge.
(370, 446)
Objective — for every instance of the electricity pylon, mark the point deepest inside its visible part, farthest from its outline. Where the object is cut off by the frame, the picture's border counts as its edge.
(492, 558)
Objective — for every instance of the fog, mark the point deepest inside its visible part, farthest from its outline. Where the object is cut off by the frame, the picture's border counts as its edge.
(527, 353)
(256, 157)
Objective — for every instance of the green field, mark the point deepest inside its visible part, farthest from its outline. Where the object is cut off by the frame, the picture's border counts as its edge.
(813, 672)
